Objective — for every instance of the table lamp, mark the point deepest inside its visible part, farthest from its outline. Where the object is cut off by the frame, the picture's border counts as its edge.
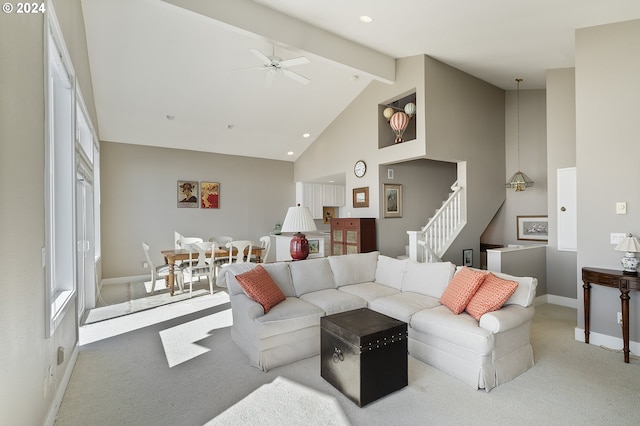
(630, 245)
(299, 220)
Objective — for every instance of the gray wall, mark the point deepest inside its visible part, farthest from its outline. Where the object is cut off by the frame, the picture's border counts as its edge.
(458, 118)
(607, 152)
(425, 185)
(561, 153)
(139, 200)
(24, 400)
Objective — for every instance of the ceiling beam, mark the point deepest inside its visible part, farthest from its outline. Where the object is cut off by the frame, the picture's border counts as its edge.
(273, 25)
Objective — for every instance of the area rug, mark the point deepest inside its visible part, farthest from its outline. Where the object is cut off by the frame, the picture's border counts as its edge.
(283, 402)
(128, 298)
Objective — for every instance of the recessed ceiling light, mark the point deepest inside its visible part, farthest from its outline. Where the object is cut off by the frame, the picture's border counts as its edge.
(306, 135)
(170, 117)
(230, 126)
(366, 19)
(290, 153)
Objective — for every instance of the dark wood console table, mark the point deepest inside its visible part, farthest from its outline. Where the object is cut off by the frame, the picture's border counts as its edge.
(615, 279)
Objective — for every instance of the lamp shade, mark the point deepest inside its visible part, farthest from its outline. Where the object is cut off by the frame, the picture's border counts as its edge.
(298, 219)
(519, 181)
(629, 244)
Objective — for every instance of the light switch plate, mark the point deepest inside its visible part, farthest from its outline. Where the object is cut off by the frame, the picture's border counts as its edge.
(617, 237)
(621, 207)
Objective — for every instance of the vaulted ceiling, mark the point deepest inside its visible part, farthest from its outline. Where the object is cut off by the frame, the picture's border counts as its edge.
(180, 73)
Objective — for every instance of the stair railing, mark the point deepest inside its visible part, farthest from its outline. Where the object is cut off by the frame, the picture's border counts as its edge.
(432, 241)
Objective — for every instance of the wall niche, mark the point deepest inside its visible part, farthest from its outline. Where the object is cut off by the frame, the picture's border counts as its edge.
(387, 136)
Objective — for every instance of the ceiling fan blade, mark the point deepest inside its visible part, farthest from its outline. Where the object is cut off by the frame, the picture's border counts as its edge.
(293, 62)
(268, 80)
(250, 68)
(264, 58)
(295, 76)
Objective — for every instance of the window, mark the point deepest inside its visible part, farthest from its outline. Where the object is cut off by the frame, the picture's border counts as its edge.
(59, 251)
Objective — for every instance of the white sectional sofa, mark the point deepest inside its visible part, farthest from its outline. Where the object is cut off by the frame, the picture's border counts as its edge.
(482, 353)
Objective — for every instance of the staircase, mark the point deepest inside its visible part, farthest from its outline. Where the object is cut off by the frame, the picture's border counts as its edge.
(432, 241)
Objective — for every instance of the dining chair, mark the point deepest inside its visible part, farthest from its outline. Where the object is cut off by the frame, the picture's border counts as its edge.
(159, 271)
(265, 244)
(240, 246)
(198, 266)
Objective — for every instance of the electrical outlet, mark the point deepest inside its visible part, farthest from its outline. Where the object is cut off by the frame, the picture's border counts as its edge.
(619, 318)
(617, 237)
(145, 265)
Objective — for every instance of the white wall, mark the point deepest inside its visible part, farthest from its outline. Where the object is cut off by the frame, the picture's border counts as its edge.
(25, 397)
(139, 201)
(607, 151)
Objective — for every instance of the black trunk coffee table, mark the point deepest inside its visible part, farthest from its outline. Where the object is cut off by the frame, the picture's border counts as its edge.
(363, 354)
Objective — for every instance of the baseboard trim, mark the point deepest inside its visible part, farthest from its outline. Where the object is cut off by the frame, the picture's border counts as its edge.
(608, 342)
(125, 280)
(57, 400)
(556, 300)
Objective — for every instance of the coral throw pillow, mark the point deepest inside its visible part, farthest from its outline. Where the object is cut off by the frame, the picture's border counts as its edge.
(490, 296)
(461, 289)
(259, 286)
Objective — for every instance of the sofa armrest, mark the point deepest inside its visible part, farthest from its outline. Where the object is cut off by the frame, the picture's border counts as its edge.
(506, 318)
(250, 308)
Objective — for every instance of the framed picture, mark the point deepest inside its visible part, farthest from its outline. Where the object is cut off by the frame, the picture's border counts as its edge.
(188, 193)
(361, 197)
(533, 228)
(314, 246)
(392, 200)
(210, 195)
(467, 257)
(328, 213)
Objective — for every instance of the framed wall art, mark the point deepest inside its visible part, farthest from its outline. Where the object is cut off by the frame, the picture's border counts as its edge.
(392, 200)
(327, 214)
(188, 193)
(361, 197)
(467, 257)
(210, 195)
(533, 228)
(314, 246)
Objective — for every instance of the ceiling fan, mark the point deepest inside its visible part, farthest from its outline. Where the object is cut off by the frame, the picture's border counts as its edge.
(274, 64)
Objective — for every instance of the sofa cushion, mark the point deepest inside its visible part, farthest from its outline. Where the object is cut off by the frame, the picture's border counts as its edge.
(369, 291)
(461, 289)
(259, 286)
(460, 330)
(525, 294)
(311, 275)
(281, 274)
(291, 315)
(402, 306)
(333, 301)
(490, 296)
(227, 276)
(389, 271)
(353, 268)
(430, 279)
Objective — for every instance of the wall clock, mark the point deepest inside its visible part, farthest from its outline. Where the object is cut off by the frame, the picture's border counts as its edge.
(360, 168)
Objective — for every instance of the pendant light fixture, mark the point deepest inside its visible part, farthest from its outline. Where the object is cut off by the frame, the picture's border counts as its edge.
(519, 181)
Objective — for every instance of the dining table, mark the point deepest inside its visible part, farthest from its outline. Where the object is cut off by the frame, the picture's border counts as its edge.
(171, 256)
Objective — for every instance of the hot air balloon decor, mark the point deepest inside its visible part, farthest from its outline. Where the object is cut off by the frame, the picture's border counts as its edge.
(398, 120)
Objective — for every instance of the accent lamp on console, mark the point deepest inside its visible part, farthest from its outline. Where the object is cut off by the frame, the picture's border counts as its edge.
(299, 220)
(630, 245)
(519, 181)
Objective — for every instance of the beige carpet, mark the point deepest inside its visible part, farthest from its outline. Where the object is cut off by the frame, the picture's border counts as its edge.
(123, 299)
(128, 379)
(284, 402)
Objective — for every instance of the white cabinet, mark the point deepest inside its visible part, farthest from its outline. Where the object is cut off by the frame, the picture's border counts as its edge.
(317, 195)
(567, 210)
(333, 195)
